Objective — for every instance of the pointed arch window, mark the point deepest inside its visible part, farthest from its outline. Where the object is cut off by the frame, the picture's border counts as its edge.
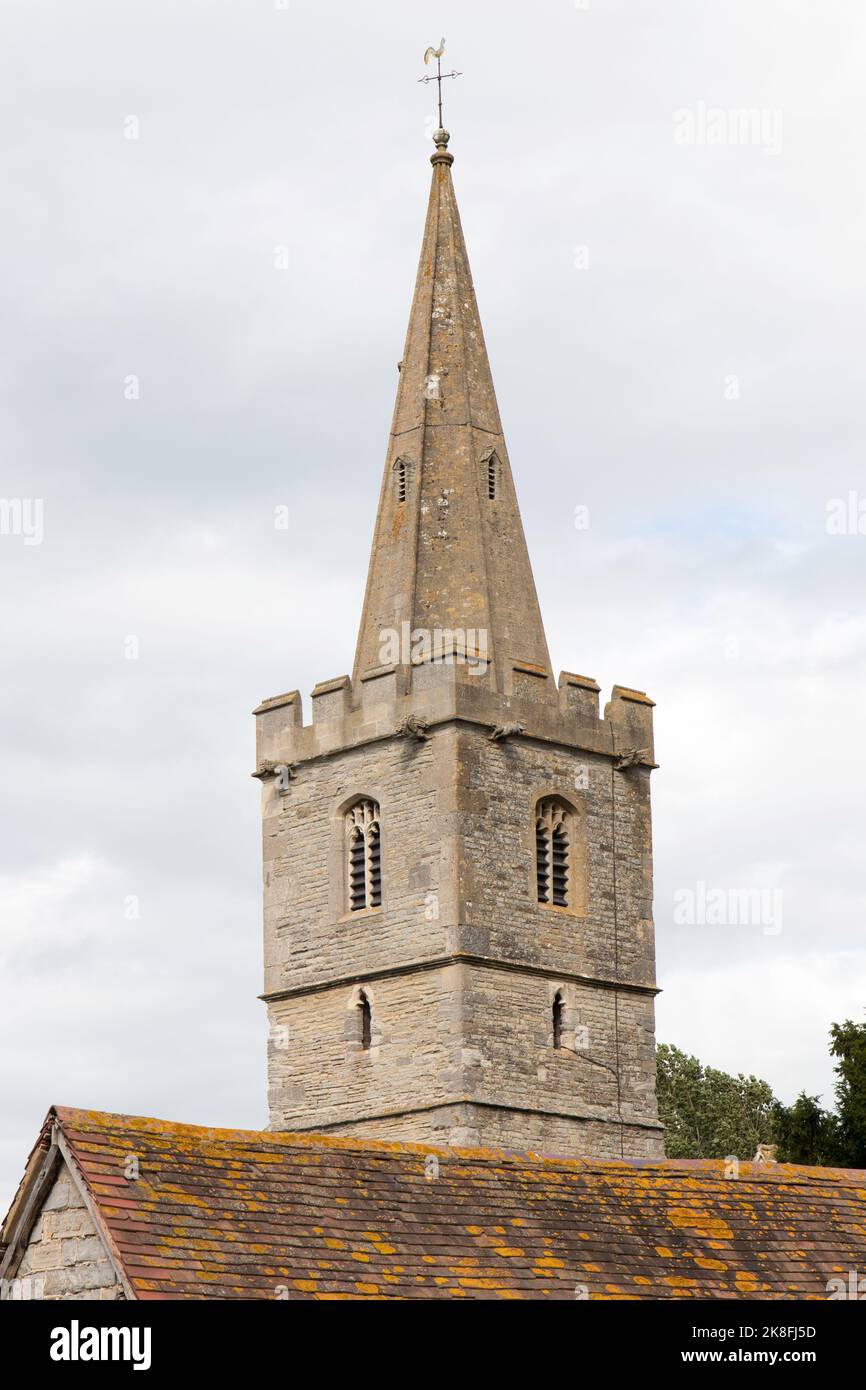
(554, 830)
(364, 856)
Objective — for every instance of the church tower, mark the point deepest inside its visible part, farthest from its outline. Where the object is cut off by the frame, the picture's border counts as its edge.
(459, 943)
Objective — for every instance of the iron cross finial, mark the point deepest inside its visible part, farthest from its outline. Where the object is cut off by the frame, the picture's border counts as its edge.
(440, 75)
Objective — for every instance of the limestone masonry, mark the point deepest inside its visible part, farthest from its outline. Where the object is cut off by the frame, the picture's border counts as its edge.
(459, 944)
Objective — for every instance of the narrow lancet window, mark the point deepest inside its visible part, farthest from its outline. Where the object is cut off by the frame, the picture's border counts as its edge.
(366, 1022)
(364, 856)
(558, 1019)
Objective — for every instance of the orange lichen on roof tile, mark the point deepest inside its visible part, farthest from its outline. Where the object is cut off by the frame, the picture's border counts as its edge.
(230, 1214)
(706, 1222)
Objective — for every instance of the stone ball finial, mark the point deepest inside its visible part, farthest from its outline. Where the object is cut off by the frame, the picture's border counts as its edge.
(440, 140)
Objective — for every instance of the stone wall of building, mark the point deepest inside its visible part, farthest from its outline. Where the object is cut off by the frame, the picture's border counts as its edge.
(65, 1257)
(472, 1126)
(461, 964)
(320, 1075)
(469, 1033)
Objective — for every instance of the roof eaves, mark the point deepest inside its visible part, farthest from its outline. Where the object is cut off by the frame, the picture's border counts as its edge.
(39, 1173)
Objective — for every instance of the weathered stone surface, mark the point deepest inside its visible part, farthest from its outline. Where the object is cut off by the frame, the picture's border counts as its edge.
(446, 555)
(460, 964)
(64, 1257)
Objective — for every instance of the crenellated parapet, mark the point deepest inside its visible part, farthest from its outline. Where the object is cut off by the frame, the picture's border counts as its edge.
(439, 695)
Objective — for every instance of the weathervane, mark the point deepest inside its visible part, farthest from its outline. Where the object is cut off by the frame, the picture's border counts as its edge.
(440, 75)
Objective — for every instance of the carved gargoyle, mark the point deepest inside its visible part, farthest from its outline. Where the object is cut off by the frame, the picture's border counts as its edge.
(630, 758)
(503, 731)
(285, 771)
(413, 726)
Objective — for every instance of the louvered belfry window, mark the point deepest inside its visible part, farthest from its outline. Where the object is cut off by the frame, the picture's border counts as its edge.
(401, 479)
(492, 476)
(553, 852)
(364, 864)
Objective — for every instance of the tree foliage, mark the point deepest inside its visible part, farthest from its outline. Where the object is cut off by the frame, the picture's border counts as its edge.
(848, 1046)
(709, 1114)
(805, 1133)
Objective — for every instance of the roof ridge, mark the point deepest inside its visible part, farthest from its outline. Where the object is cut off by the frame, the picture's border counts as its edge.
(69, 1118)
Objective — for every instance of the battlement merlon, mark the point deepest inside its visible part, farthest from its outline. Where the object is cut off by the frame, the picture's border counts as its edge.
(395, 701)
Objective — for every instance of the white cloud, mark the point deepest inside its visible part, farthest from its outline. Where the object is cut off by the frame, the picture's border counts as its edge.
(706, 578)
(770, 1018)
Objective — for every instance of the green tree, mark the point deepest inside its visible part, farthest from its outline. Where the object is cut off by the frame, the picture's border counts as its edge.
(707, 1113)
(848, 1045)
(806, 1133)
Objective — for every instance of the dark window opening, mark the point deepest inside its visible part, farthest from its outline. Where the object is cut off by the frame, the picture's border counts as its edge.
(366, 1023)
(558, 1019)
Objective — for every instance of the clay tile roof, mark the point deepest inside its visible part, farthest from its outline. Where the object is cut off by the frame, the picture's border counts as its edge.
(229, 1214)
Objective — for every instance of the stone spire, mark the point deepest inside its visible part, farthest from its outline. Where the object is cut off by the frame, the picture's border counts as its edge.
(449, 553)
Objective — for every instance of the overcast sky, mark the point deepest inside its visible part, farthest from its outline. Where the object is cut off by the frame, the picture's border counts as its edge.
(674, 312)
